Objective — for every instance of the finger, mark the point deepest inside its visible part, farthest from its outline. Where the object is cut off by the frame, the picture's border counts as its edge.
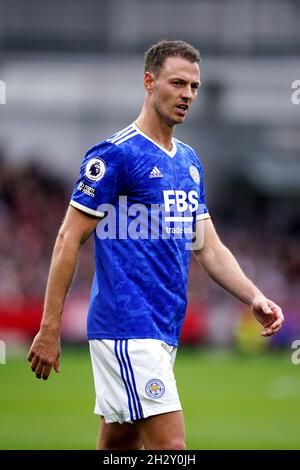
(274, 330)
(265, 333)
(30, 356)
(270, 331)
(279, 318)
(46, 372)
(34, 363)
(277, 323)
(57, 365)
(276, 310)
(39, 369)
(266, 308)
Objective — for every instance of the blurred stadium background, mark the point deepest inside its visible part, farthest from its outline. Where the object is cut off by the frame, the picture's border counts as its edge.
(73, 72)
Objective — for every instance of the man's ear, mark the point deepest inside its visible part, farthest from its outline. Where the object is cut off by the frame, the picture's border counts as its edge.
(149, 81)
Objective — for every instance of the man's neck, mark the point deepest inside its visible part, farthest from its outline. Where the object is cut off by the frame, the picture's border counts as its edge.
(151, 125)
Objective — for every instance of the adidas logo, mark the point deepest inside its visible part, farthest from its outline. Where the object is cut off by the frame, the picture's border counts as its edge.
(156, 173)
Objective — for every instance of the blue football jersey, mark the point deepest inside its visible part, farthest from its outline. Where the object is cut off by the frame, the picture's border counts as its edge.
(148, 199)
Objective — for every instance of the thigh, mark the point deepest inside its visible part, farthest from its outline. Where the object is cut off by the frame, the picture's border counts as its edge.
(115, 436)
(163, 432)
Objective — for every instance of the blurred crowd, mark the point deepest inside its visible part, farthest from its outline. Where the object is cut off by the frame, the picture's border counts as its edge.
(265, 241)
(32, 206)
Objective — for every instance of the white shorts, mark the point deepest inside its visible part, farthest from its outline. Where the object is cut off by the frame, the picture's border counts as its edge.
(134, 379)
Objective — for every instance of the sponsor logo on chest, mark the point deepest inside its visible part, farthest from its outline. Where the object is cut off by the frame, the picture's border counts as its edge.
(180, 202)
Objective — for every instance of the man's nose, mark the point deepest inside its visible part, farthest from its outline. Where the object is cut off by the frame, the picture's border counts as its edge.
(187, 93)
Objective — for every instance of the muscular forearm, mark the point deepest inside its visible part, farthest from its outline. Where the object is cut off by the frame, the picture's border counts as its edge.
(60, 276)
(222, 267)
(44, 353)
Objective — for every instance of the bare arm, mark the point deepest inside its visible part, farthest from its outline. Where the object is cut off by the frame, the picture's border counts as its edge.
(220, 264)
(45, 350)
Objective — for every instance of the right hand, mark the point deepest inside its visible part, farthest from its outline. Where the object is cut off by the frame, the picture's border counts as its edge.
(44, 354)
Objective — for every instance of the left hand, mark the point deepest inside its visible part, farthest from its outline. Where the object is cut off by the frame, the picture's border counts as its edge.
(268, 314)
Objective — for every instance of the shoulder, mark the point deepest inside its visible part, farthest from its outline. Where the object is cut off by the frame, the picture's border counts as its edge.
(189, 151)
(113, 145)
(125, 135)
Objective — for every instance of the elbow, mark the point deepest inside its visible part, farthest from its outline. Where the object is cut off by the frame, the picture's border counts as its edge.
(62, 238)
(204, 256)
(66, 241)
(209, 255)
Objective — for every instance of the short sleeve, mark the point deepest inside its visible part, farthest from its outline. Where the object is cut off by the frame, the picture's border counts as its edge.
(102, 179)
(202, 211)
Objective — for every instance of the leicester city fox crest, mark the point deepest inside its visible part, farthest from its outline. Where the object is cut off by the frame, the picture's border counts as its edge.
(155, 388)
(195, 174)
